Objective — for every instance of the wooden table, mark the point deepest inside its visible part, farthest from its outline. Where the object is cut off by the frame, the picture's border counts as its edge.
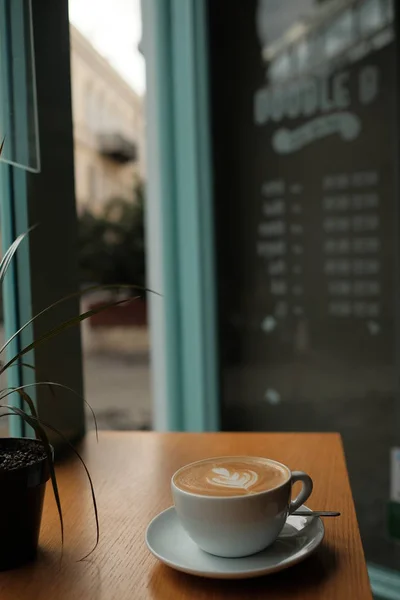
(131, 472)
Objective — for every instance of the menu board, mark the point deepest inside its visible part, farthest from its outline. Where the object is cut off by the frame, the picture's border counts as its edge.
(326, 203)
(307, 223)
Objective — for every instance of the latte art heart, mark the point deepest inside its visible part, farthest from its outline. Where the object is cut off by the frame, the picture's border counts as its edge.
(234, 479)
(231, 476)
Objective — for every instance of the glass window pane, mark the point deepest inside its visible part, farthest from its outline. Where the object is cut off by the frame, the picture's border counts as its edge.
(109, 181)
(307, 230)
(18, 112)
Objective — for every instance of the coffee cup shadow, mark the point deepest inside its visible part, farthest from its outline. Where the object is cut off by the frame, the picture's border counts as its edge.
(313, 573)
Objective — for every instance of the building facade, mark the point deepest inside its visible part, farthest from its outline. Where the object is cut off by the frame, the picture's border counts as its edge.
(108, 126)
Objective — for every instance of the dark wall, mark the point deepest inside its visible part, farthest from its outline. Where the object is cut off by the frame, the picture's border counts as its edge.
(51, 204)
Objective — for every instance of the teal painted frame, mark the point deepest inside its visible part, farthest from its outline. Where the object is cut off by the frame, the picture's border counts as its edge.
(21, 119)
(14, 210)
(185, 383)
(10, 310)
(162, 250)
(194, 216)
(385, 583)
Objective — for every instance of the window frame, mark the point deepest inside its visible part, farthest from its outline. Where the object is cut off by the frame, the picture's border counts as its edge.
(180, 217)
(45, 267)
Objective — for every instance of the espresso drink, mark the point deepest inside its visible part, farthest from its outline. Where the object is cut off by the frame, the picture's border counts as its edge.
(231, 476)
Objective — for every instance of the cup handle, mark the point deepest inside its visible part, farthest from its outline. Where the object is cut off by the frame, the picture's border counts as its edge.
(305, 491)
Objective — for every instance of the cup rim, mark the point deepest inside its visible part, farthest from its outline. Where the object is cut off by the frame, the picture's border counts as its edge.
(236, 496)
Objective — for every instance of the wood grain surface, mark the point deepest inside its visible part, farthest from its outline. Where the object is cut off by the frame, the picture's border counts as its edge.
(131, 473)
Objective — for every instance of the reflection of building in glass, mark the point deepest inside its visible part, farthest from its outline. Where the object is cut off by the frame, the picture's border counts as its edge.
(337, 31)
(108, 127)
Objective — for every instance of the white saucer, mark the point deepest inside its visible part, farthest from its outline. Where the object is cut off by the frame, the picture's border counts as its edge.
(168, 541)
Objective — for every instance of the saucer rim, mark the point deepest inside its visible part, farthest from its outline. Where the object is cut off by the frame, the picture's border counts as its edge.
(239, 574)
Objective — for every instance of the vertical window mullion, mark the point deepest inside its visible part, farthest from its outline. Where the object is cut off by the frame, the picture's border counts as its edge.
(16, 291)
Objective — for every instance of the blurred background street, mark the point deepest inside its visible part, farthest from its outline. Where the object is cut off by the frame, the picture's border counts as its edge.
(117, 376)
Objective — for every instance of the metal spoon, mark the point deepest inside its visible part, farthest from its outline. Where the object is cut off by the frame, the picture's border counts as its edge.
(316, 513)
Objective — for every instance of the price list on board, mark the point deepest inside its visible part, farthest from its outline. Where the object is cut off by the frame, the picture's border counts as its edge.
(351, 250)
(280, 243)
(349, 244)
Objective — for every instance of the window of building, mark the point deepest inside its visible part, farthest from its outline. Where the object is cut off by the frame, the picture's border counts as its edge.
(92, 184)
(88, 105)
(100, 112)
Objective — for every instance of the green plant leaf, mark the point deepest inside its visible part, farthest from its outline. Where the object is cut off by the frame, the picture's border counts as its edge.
(78, 294)
(51, 385)
(26, 398)
(95, 509)
(66, 325)
(8, 255)
(28, 366)
(21, 364)
(38, 425)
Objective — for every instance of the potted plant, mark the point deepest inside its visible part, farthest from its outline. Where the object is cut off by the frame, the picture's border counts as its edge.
(27, 464)
(24, 471)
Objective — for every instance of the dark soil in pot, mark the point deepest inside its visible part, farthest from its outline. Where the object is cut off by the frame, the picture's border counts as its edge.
(21, 455)
(24, 472)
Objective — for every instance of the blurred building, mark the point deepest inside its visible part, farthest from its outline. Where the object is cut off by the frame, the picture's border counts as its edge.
(108, 126)
(326, 35)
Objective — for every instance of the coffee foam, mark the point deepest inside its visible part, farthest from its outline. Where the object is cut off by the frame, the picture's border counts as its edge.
(230, 476)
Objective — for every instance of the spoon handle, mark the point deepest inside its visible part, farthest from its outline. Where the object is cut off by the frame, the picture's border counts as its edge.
(316, 513)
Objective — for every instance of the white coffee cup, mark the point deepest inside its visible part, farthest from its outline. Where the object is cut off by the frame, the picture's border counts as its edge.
(235, 526)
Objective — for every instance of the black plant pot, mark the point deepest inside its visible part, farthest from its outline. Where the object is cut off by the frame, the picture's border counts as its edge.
(21, 504)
